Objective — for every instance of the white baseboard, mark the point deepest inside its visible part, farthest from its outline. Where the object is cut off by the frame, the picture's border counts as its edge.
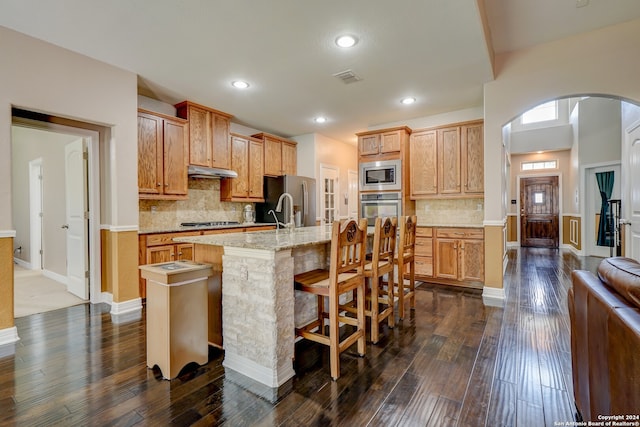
(106, 297)
(513, 244)
(493, 293)
(119, 308)
(8, 335)
(257, 372)
(126, 311)
(22, 263)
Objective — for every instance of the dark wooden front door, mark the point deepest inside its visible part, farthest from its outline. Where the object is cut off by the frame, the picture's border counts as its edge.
(539, 212)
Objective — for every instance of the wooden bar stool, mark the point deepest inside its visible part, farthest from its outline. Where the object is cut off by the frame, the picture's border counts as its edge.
(405, 257)
(380, 300)
(348, 244)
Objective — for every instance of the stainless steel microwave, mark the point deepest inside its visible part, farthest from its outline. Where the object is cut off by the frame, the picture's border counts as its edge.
(380, 176)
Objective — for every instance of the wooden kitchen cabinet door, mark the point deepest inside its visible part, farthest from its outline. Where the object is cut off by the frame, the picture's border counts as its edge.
(424, 163)
(150, 149)
(175, 159)
(240, 163)
(390, 142)
(446, 259)
(289, 159)
(472, 260)
(272, 157)
(256, 170)
(158, 254)
(473, 158)
(449, 161)
(369, 144)
(220, 142)
(199, 136)
(184, 252)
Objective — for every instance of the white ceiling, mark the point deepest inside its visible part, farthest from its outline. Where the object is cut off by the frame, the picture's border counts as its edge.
(434, 50)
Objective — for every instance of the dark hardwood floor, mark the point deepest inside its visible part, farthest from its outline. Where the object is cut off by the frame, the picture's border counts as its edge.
(453, 361)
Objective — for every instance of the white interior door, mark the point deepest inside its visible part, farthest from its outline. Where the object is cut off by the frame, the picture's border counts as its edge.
(632, 235)
(35, 214)
(329, 193)
(352, 205)
(76, 208)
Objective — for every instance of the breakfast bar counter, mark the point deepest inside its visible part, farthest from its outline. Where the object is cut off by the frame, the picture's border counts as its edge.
(260, 307)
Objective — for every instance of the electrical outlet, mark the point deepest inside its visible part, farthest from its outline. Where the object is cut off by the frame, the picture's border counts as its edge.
(154, 209)
(479, 206)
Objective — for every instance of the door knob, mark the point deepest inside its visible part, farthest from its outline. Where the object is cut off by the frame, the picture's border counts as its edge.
(65, 226)
(624, 221)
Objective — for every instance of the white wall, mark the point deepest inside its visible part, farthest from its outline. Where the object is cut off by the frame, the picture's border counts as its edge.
(458, 116)
(27, 145)
(41, 77)
(556, 137)
(599, 130)
(604, 61)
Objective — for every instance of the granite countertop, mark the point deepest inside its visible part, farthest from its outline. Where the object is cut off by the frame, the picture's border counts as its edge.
(274, 240)
(178, 228)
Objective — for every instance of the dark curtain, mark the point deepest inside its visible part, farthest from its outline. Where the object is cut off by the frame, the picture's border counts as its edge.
(605, 185)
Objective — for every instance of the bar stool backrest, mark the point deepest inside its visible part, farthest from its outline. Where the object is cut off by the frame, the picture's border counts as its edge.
(407, 240)
(348, 246)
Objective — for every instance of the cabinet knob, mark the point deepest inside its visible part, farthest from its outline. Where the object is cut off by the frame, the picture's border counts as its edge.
(158, 185)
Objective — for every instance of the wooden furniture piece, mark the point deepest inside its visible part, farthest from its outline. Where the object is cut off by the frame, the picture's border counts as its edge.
(209, 143)
(459, 256)
(380, 299)
(247, 159)
(348, 242)
(176, 305)
(382, 144)
(280, 155)
(162, 156)
(447, 162)
(405, 260)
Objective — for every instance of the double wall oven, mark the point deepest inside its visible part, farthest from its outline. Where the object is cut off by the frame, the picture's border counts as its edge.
(380, 189)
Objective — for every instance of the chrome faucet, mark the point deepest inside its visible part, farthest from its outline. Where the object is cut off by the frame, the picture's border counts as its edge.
(278, 223)
(292, 222)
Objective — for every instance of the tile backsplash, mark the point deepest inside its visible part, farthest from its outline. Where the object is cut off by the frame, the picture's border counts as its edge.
(450, 211)
(203, 204)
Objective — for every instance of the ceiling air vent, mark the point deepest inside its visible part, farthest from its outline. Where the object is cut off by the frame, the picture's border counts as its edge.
(347, 76)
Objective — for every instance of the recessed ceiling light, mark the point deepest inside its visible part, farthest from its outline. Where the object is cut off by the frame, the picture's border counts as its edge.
(408, 100)
(320, 119)
(347, 40)
(239, 84)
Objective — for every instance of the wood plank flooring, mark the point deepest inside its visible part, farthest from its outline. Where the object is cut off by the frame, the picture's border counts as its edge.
(452, 361)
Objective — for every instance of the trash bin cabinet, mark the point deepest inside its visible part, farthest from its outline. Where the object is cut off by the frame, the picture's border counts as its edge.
(176, 315)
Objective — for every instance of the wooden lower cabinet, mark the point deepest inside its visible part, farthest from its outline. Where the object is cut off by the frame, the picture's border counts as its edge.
(450, 255)
(424, 252)
(459, 255)
(159, 247)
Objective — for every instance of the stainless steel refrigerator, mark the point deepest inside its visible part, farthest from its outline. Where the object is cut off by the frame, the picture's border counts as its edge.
(303, 192)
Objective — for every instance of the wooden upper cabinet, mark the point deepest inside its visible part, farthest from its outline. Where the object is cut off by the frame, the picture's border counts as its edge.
(247, 161)
(209, 143)
(280, 155)
(386, 143)
(272, 157)
(458, 168)
(199, 135)
(162, 156)
(150, 146)
(289, 158)
(449, 161)
(369, 144)
(256, 170)
(221, 143)
(424, 163)
(473, 158)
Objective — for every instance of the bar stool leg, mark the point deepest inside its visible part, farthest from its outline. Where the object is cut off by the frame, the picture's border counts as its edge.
(375, 326)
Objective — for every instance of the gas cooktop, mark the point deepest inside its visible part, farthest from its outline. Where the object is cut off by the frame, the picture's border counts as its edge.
(209, 223)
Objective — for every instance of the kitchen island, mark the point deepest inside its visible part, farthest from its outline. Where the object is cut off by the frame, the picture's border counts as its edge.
(260, 308)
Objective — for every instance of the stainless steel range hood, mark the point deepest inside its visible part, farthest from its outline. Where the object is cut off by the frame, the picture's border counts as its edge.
(210, 173)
